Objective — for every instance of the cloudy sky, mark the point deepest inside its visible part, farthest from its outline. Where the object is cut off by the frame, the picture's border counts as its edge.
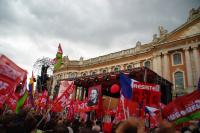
(31, 29)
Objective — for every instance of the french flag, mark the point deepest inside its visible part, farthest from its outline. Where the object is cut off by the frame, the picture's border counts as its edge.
(126, 86)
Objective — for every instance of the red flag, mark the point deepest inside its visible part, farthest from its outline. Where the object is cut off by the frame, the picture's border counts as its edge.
(59, 49)
(42, 100)
(120, 112)
(10, 74)
(63, 87)
(2, 100)
(12, 101)
(63, 100)
(184, 108)
(70, 111)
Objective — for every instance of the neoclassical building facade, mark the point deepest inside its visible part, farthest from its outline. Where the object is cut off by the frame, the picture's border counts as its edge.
(174, 56)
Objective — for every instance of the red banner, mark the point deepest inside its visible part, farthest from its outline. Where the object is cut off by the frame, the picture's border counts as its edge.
(10, 75)
(146, 94)
(12, 101)
(94, 97)
(70, 111)
(60, 103)
(81, 106)
(64, 84)
(146, 86)
(182, 106)
(93, 102)
(42, 100)
(2, 100)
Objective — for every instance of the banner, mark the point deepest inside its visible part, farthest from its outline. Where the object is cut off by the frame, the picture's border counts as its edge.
(183, 108)
(64, 84)
(81, 106)
(42, 100)
(93, 102)
(94, 97)
(2, 100)
(61, 102)
(70, 112)
(146, 94)
(12, 101)
(10, 75)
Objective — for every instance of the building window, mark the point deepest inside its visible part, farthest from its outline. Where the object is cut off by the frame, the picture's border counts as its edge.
(69, 75)
(73, 75)
(129, 67)
(136, 65)
(147, 64)
(179, 80)
(177, 59)
(84, 74)
(117, 69)
(93, 73)
(104, 71)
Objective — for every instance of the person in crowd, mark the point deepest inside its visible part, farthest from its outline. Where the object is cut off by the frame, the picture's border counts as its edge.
(97, 126)
(131, 125)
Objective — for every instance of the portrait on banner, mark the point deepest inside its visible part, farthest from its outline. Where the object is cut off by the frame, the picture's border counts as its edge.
(93, 95)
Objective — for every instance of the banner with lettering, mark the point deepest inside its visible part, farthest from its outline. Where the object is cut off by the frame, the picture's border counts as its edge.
(146, 94)
(64, 84)
(70, 111)
(43, 100)
(183, 108)
(10, 75)
(2, 100)
(11, 101)
(81, 106)
(61, 102)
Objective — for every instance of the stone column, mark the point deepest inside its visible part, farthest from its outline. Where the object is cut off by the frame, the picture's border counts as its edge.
(166, 71)
(159, 65)
(110, 69)
(197, 64)
(154, 63)
(188, 68)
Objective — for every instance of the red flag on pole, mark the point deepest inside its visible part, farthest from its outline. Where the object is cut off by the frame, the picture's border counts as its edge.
(10, 74)
(12, 101)
(64, 100)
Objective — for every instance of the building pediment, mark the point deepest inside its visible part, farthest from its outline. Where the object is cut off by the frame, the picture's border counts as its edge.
(188, 29)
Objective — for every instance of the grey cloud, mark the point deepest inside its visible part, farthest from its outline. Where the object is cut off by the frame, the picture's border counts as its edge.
(92, 23)
(85, 28)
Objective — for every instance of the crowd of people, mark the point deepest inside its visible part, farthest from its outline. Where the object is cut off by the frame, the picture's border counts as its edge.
(31, 121)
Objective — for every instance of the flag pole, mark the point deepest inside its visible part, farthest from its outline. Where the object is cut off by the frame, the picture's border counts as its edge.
(149, 122)
(123, 107)
(145, 75)
(109, 104)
